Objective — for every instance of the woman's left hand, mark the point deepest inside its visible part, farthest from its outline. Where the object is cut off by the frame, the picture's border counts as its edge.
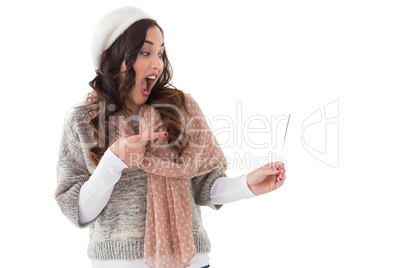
(267, 178)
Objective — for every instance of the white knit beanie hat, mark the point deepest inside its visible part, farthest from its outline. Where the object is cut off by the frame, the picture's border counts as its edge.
(111, 26)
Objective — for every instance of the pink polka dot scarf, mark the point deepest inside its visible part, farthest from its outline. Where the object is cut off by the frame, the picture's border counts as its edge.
(169, 241)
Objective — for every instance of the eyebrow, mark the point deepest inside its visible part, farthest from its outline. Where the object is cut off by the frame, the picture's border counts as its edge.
(151, 43)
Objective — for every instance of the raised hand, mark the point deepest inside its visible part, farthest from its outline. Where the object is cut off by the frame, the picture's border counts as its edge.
(131, 149)
(267, 178)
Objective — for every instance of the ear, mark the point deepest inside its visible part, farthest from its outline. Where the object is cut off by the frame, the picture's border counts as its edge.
(122, 75)
(123, 66)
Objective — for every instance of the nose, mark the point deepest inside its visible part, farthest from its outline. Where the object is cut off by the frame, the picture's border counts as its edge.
(156, 63)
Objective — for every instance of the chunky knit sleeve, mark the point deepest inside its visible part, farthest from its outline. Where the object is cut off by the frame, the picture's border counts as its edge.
(71, 169)
(201, 187)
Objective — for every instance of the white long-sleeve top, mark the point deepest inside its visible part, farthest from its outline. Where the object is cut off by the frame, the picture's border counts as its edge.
(95, 194)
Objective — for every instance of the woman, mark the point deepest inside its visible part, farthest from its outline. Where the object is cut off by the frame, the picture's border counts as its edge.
(137, 160)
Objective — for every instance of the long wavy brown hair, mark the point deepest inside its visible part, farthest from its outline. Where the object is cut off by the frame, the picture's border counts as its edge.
(108, 91)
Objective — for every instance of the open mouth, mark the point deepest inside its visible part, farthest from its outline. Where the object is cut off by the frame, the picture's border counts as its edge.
(147, 84)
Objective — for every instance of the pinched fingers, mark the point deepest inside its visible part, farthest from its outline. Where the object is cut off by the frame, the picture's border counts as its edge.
(276, 165)
(281, 175)
(271, 169)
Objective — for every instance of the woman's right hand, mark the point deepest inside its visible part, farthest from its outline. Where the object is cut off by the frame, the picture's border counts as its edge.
(131, 149)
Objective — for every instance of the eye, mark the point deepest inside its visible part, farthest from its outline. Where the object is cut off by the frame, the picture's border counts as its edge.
(161, 55)
(144, 53)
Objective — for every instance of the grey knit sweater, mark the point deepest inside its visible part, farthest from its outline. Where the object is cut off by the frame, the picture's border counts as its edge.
(118, 231)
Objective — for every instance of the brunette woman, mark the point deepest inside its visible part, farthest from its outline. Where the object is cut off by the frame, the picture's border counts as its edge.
(137, 159)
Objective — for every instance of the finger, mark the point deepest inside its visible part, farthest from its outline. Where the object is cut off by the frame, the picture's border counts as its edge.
(281, 168)
(152, 129)
(152, 136)
(270, 170)
(274, 164)
(155, 135)
(145, 137)
(281, 178)
(278, 177)
(280, 183)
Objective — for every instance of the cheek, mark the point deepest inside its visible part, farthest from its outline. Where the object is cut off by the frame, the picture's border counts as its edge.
(139, 67)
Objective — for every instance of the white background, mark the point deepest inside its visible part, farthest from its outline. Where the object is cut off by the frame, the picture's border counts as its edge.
(276, 58)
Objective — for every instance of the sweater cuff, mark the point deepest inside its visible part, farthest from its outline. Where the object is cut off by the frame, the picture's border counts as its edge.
(95, 193)
(226, 190)
(113, 160)
(247, 191)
